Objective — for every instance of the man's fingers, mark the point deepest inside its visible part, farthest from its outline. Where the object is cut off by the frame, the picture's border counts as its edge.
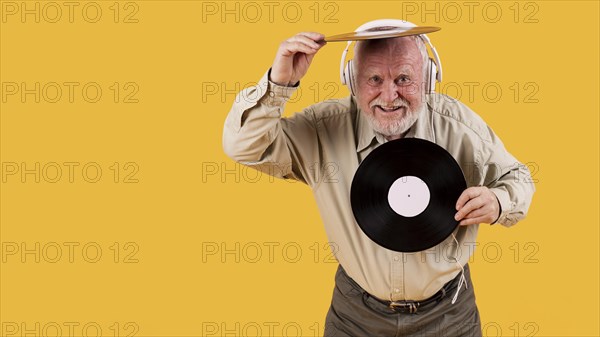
(476, 213)
(313, 35)
(294, 57)
(292, 47)
(476, 205)
(466, 195)
(470, 206)
(306, 40)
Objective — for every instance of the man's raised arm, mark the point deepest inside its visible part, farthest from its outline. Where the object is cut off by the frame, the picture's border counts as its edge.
(254, 133)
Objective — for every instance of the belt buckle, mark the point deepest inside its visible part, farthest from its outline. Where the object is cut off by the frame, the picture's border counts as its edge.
(410, 305)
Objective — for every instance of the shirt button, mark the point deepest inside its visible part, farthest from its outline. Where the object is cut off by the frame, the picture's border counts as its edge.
(272, 94)
(397, 290)
(396, 258)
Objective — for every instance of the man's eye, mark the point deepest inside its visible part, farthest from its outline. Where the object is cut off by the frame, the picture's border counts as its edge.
(375, 79)
(403, 80)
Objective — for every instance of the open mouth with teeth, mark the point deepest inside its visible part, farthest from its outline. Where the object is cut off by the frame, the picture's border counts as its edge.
(388, 109)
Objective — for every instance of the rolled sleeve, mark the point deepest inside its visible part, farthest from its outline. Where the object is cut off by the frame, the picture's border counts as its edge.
(504, 202)
(256, 135)
(509, 180)
(271, 95)
(278, 95)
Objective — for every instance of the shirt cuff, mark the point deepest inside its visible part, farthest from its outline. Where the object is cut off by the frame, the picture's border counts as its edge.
(506, 206)
(278, 95)
(499, 212)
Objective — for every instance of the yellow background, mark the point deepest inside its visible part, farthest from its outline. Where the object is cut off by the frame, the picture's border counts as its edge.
(186, 212)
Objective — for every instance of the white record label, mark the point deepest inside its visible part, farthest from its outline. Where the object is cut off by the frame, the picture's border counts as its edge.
(408, 196)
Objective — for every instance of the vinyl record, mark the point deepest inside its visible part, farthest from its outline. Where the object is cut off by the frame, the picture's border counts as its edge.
(381, 34)
(404, 194)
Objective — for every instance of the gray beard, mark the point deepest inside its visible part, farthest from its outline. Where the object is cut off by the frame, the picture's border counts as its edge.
(398, 127)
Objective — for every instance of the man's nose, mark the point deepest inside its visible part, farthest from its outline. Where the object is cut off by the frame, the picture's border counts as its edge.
(389, 92)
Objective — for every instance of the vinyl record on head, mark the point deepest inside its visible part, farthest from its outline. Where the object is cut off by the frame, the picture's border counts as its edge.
(381, 34)
(404, 194)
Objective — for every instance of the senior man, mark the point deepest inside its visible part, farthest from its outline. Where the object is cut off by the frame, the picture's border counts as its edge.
(380, 292)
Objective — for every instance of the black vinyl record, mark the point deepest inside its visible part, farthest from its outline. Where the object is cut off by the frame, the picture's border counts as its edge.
(404, 194)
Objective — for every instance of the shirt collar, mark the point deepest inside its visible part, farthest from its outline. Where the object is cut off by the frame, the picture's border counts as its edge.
(365, 135)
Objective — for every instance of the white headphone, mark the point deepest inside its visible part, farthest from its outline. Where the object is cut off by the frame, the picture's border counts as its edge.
(434, 66)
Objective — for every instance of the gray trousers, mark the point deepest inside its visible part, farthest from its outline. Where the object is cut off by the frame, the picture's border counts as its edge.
(353, 312)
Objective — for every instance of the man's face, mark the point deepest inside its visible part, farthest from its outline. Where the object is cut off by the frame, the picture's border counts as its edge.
(389, 81)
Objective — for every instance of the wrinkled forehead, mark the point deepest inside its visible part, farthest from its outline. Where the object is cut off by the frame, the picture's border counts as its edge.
(399, 46)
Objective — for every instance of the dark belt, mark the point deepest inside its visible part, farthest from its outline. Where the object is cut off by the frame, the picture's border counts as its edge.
(411, 307)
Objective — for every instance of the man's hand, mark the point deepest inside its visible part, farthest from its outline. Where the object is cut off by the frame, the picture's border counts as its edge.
(294, 56)
(477, 205)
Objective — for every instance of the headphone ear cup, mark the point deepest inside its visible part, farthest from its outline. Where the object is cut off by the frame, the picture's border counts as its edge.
(345, 75)
(349, 74)
(432, 77)
(427, 77)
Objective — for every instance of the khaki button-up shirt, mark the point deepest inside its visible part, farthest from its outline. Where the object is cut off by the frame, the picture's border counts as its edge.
(323, 145)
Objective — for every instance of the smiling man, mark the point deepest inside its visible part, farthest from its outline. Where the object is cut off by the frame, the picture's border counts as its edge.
(380, 292)
(388, 74)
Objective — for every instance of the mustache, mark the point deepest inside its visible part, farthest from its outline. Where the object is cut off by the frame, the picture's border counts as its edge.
(397, 103)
